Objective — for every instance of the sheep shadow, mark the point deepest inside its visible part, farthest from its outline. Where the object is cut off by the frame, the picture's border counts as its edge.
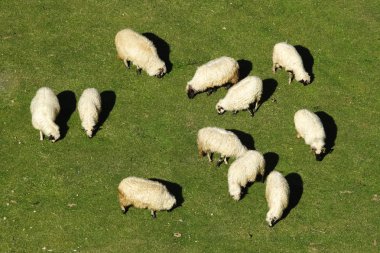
(271, 161)
(174, 188)
(245, 138)
(269, 87)
(245, 68)
(108, 99)
(68, 103)
(331, 130)
(163, 49)
(295, 192)
(308, 60)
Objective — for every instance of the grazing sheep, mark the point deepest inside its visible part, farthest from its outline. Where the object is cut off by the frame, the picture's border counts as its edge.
(136, 48)
(214, 139)
(45, 108)
(243, 170)
(286, 56)
(309, 126)
(144, 193)
(213, 74)
(89, 107)
(277, 195)
(242, 96)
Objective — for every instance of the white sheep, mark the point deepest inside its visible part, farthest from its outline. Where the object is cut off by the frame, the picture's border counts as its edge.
(286, 56)
(214, 139)
(309, 126)
(45, 108)
(242, 96)
(213, 74)
(136, 48)
(144, 193)
(277, 195)
(243, 170)
(89, 107)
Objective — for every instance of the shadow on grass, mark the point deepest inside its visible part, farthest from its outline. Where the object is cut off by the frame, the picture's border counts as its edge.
(296, 190)
(174, 188)
(271, 161)
(308, 60)
(331, 131)
(245, 138)
(245, 68)
(269, 87)
(68, 103)
(163, 49)
(108, 99)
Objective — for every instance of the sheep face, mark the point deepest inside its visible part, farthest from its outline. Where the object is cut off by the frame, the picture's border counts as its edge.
(90, 132)
(220, 109)
(54, 135)
(319, 151)
(305, 79)
(271, 220)
(191, 92)
(161, 72)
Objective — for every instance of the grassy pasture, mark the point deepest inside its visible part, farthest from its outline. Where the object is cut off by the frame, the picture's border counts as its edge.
(62, 197)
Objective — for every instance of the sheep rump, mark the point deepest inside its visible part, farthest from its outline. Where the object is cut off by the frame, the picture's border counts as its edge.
(244, 170)
(213, 74)
(309, 126)
(242, 96)
(286, 56)
(214, 139)
(144, 193)
(44, 109)
(277, 195)
(136, 48)
(89, 107)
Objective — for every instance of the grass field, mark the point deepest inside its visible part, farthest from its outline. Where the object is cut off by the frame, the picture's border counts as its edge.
(62, 197)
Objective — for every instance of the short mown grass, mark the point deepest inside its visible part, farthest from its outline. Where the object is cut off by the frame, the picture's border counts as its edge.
(62, 197)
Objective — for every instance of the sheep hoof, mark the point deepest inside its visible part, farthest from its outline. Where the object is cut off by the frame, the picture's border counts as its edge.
(153, 214)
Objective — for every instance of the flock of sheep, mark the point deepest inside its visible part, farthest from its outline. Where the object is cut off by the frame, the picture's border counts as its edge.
(245, 94)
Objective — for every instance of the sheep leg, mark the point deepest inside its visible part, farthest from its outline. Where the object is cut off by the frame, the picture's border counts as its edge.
(209, 156)
(225, 160)
(41, 136)
(127, 64)
(219, 162)
(153, 214)
(251, 111)
(210, 91)
(275, 67)
(234, 112)
(138, 71)
(298, 135)
(291, 76)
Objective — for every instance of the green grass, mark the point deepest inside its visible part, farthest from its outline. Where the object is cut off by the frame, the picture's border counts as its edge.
(62, 197)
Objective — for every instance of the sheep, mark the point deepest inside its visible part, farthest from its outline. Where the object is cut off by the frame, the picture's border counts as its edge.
(213, 74)
(286, 56)
(214, 139)
(309, 126)
(277, 196)
(144, 193)
(243, 170)
(89, 107)
(136, 48)
(242, 96)
(44, 109)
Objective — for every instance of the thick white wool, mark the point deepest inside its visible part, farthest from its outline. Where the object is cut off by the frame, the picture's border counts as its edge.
(134, 47)
(44, 109)
(286, 56)
(277, 195)
(242, 95)
(89, 107)
(309, 126)
(214, 139)
(214, 73)
(144, 193)
(243, 170)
